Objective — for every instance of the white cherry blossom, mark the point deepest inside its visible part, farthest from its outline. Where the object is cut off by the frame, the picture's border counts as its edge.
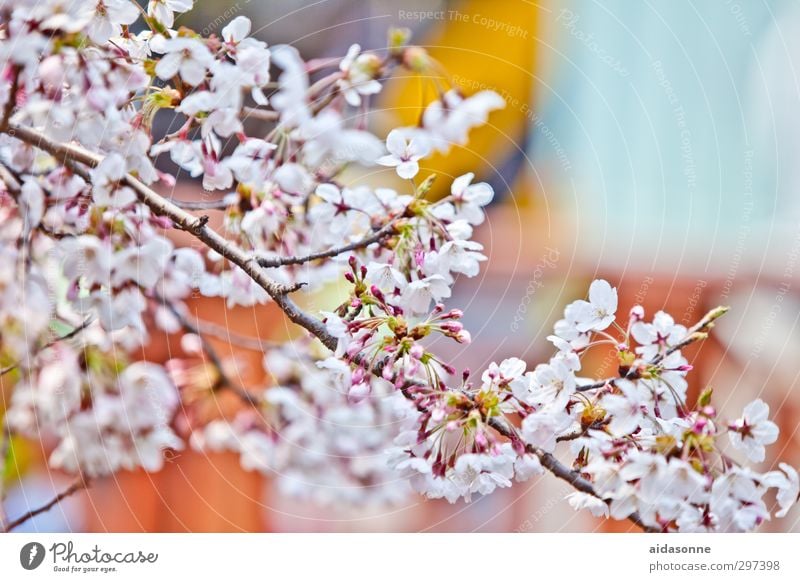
(753, 430)
(406, 147)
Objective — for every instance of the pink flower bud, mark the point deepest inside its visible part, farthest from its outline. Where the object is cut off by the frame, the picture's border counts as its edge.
(358, 392)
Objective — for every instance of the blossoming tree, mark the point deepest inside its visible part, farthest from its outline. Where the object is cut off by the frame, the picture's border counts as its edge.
(89, 272)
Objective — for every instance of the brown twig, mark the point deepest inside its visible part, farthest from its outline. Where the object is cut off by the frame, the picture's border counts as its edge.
(71, 334)
(12, 98)
(224, 333)
(223, 380)
(220, 204)
(378, 235)
(80, 484)
(5, 444)
(7, 177)
(561, 471)
(696, 333)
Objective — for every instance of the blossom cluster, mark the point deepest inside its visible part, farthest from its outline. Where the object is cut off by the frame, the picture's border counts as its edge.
(363, 408)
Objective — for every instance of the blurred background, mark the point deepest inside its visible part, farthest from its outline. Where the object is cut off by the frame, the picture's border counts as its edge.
(651, 143)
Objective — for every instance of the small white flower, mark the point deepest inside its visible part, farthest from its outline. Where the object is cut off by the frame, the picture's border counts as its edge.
(187, 57)
(657, 336)
(106, 179)
(695, 519)
(236, 30)
(753, 430)
(385, 277)
(417, 295)
(449, 120)
(527, 466)
(788, 486)
(143, 264)
(553, 383)
(627, 409)
(511, 373)
(108, 17)
(251, 161)
(597, 313)
(335, 325)
(162, 10)
(217, 174)
(469, 199)
(31, 198)
(461, 256)
(579, 500)
(541, 428)
(406, 147)
(337, 214)
(360, 71)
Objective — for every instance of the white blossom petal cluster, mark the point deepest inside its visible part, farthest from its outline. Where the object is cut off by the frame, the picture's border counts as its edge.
(313, 437)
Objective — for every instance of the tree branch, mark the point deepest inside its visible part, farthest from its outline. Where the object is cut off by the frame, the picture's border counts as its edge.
(11, 183)
(12, 98)
(80, 484)
(224, 333)
(383, 232)
(51, 343)
(196, 226)
(223, 380)
(560, 470)
(5, 444)
(697, 332)
(220, 204)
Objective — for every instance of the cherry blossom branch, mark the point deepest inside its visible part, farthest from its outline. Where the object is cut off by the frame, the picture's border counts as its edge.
(260, 114)
(197, 227)
(202, 204)
(5, 443)
(697, 332)
(222, 380)
(378, 235)
(69, 335)
(312, 93)
(558, 469)
(12, 97)
(194, 225)
(11, 183)
(224, 333)
(80, 484)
